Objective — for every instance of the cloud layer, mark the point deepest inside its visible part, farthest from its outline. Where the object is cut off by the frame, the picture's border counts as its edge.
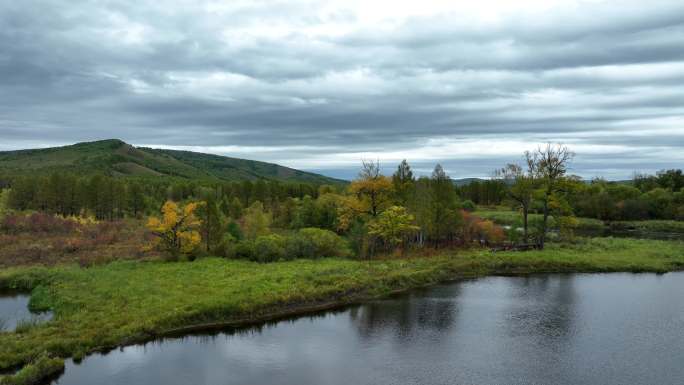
(320, 85)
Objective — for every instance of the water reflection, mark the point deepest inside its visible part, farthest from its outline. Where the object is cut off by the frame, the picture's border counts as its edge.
(559, 329)
(408, 316)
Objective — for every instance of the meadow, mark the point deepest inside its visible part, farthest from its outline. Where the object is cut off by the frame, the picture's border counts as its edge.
(127, 302)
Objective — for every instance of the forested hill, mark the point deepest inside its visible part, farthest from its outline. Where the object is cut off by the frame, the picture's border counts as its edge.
(117, 158)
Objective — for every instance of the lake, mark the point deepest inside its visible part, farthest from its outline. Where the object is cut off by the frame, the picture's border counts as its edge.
(545, 329)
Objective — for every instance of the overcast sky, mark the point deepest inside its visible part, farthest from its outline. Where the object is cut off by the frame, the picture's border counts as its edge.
(319, 85)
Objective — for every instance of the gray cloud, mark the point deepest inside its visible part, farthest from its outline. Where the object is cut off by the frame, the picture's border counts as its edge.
(319, 85)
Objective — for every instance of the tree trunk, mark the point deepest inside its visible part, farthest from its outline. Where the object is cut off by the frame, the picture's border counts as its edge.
(525, 226)
(545, 221)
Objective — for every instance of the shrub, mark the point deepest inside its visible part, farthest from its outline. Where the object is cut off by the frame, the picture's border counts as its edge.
(490, 232)
(38, 223)
(269, 248)
(317, 243)
(244, 249)
(468, 205)
(225, 247)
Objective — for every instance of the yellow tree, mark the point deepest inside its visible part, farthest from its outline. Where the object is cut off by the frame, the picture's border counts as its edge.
(177, 229)
(372, 190)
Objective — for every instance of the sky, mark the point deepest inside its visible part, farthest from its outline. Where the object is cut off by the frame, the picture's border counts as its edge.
(320, 85)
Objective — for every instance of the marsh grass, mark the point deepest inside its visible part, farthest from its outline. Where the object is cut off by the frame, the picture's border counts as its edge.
(665, 226)
(27, 324)
(38, 371)
(126, 302)
(3, 325)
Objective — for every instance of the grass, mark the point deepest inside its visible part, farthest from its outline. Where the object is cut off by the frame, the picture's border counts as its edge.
(664, 226)
(36, 372)
(508, 217)
(26, 325)
(504, 216)
(132, 301)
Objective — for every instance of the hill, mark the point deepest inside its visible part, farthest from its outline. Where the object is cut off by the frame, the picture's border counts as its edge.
(117, 158)
(466, 181)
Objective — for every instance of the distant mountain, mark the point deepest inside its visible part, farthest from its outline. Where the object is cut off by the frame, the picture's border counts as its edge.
(117, 158)
(466, 181)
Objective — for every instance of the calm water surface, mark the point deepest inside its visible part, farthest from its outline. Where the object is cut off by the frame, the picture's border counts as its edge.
(554, 329)
(14, 308)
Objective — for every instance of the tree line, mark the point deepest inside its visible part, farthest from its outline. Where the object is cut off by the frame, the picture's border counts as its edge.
(109, 198)
(374, 213)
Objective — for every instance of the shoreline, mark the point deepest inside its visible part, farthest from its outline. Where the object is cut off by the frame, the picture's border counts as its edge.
(211, 295)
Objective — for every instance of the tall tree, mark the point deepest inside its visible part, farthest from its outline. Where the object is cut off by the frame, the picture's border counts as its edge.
(403, 182)
(372, 189)
(521, 187)
(212, 225)
(549, 164)
(446, 216)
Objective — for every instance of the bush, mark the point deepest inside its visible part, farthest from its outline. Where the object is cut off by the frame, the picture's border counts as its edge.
(270, 248)
(244, 249)
(38, 223)
(468, 205)
(317, 243)
(306, 243)
(225, 247)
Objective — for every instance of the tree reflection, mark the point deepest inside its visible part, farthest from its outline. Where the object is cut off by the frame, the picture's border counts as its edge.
(410, 315)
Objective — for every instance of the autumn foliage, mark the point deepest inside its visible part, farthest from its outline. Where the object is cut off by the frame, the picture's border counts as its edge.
(177, 230)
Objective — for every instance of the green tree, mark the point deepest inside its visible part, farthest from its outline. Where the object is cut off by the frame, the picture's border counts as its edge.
(392, 226)
(549, 164)
(446, 218)
(522, 186)
(403, 182)
(212, 225)
(256, 221)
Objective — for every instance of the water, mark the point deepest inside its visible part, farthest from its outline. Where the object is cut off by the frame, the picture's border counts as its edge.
(14, 309)
(553, 329)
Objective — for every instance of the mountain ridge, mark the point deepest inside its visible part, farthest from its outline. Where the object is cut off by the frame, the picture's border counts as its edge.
(118, 158)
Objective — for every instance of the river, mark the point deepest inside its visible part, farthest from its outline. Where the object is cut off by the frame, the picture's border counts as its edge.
(545, 329)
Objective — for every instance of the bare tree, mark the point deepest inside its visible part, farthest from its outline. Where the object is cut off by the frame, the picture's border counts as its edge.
(369, 169)
(548, 164)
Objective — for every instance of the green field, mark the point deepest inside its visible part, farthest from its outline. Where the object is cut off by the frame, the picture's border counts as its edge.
(504, 216)
(127, 302)
(508, 217)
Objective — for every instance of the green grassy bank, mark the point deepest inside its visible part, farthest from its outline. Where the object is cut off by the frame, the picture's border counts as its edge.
(132, 301)
(514, 218)
(508, 217)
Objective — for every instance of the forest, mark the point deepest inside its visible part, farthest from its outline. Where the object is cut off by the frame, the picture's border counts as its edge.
(269, 220)
(182, 253)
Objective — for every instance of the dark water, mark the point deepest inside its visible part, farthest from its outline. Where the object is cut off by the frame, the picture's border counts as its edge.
(14, 308)
(555, 329)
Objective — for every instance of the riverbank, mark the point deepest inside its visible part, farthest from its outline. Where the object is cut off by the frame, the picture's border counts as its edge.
(128, 302)
(594, 226)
